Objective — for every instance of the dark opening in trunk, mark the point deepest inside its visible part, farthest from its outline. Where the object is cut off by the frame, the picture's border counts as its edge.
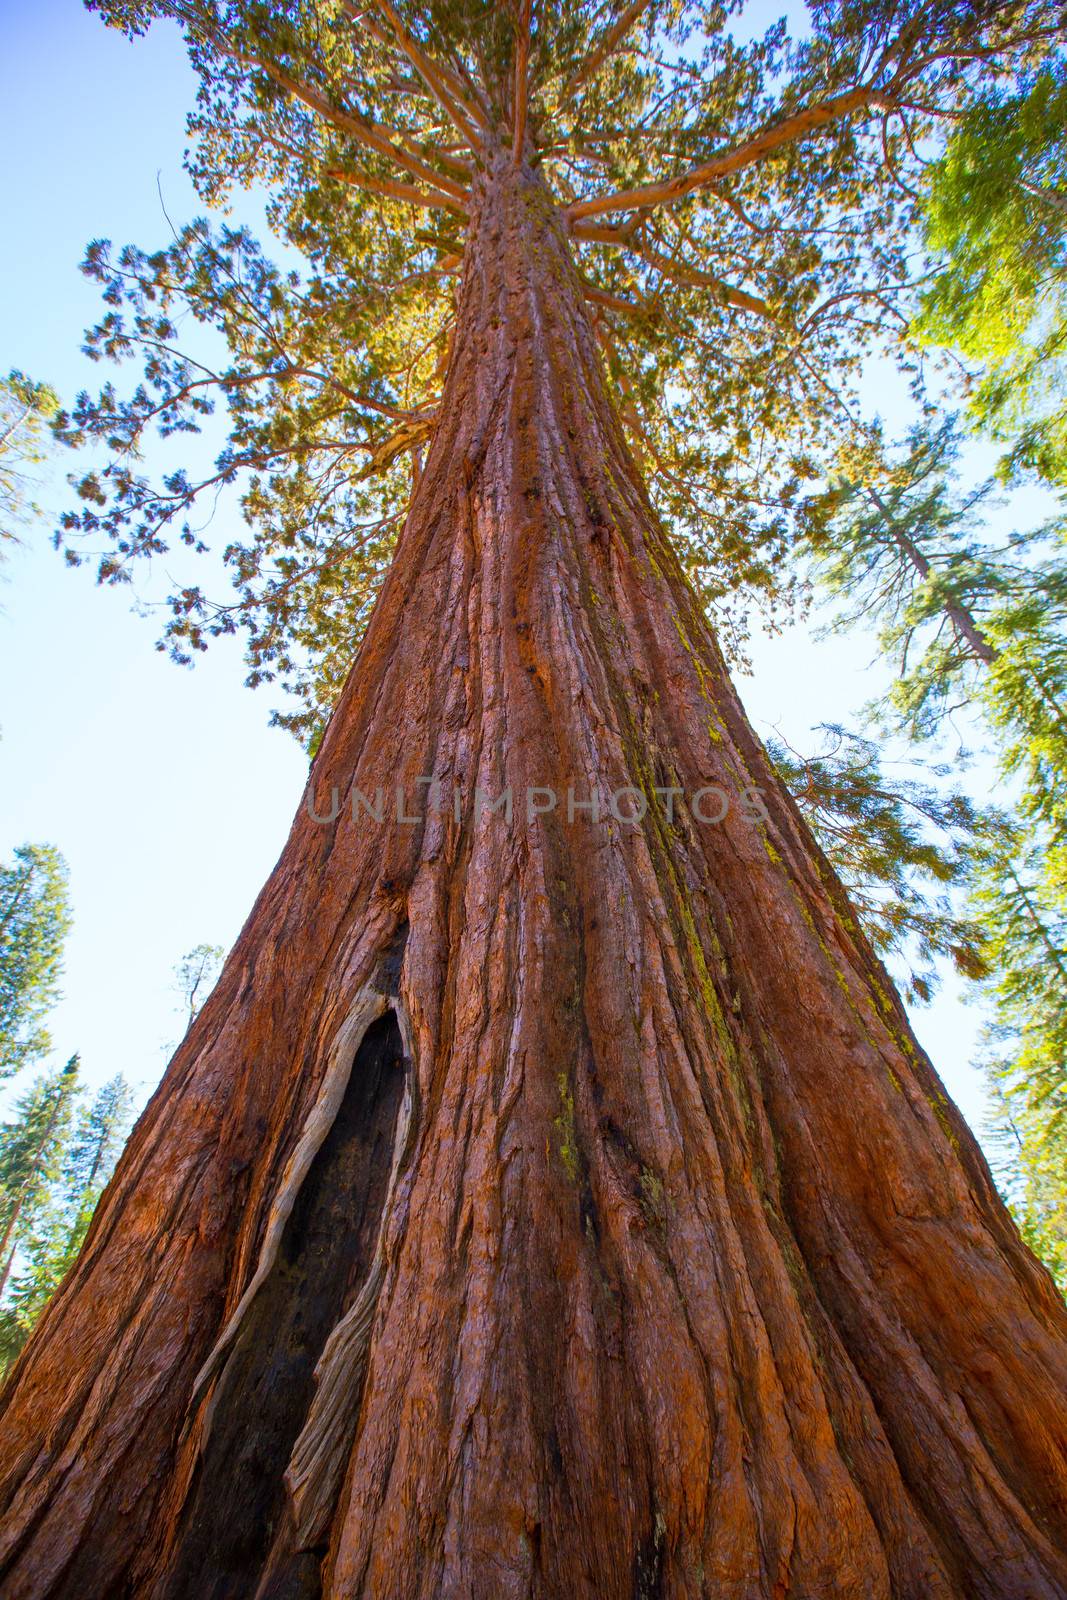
(236, 1510)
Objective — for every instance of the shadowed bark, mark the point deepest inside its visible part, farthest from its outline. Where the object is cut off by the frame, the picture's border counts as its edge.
(692, 1280)
(265, 1388)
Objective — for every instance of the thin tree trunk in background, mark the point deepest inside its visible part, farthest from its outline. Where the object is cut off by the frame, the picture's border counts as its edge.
(960, 616)
(8, 1242)
(690, 1281)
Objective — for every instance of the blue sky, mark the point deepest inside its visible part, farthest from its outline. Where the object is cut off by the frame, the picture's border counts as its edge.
(165, 789)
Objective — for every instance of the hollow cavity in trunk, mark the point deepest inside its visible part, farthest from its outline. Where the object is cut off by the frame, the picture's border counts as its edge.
(236, 1513)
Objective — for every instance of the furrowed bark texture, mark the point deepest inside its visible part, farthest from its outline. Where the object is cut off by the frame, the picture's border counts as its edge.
(690, 1280)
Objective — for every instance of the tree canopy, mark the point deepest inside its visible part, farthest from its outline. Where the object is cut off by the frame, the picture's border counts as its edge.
(965, 615)
(745, 217)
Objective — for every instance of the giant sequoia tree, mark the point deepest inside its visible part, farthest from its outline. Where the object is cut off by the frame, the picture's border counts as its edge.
(544, 1202)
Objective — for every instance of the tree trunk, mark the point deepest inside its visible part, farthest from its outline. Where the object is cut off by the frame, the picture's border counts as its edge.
(685, 1278)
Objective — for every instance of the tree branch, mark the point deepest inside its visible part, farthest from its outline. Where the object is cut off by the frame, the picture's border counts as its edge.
(407, 437)
(680, 272)
(441, 153)
(373, 135)
(428, 199)
(462, 88)
(367, 133)
(599, 54)
(445, 93)
(614, 302)
(744, 155)
(604, 233)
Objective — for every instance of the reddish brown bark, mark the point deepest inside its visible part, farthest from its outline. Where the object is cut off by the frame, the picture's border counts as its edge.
(692, 1282)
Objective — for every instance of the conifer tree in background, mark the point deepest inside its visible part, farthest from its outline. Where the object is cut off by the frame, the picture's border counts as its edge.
(31, 1152)
(34, 922)
(85, 1146)
(962, 620)
(196, 974)
(539, 1205)
(98, 1137)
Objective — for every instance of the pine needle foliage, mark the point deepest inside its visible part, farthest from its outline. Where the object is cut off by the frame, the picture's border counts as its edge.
(1025, 922)
(967, 619)
(31, 1153)
(73, 1171)
(900, 846)
(996, 227)
(34, 922)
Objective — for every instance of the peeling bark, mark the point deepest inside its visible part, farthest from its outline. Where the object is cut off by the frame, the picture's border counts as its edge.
(693, 1282)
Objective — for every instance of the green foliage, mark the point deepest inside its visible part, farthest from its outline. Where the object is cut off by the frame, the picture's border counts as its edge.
(54, 1228)
(996, 226)
(45, 1261)
(196, 974)
(32, 1141)
(966, 621)
(31, 1153)
(734, 311)
(1032, 1174)
(1025, 924)
(26, 410)
(899, 847)
(1025, 696)
(894, 545)
(34, 922)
